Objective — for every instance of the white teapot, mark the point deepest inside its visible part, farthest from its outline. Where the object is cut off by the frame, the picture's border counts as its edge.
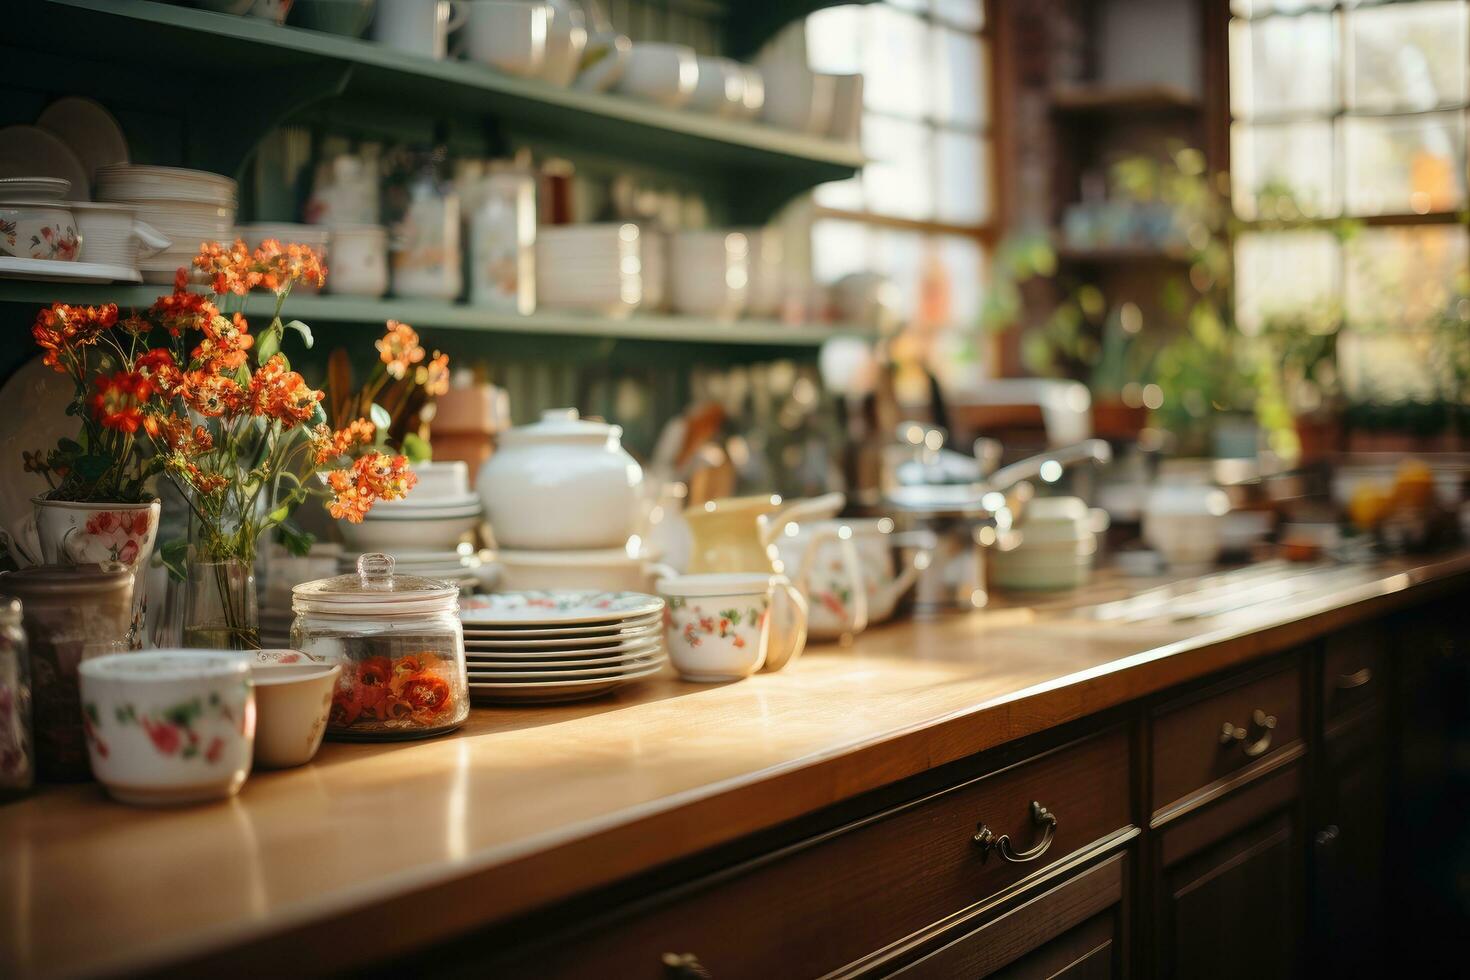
(561, 483)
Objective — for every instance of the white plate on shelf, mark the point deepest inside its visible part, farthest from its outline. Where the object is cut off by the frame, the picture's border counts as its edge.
(89, 130)
(608, 644)
(49, 270)
(572, 673)
(546, 692)
(29, 151)
(566, 607)
(476, 663)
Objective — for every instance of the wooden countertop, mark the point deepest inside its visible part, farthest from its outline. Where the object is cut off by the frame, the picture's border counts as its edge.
(398, 844)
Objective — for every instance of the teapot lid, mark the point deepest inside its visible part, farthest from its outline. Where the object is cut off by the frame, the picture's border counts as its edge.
(374, 589)
(561, 423)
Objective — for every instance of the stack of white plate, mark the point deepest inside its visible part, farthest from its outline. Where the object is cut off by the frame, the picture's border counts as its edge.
(542, 647)
(437, 515)
(610, 269)
(187, 206)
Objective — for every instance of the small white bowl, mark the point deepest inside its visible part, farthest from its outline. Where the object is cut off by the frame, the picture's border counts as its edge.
(666, 74)
(292, 703)
(169, 727)
(386, 534)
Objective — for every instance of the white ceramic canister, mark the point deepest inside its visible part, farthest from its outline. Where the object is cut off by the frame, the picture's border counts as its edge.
(502, 243)
(359, 260)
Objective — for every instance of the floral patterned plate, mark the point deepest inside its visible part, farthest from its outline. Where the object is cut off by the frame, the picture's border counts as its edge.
(544, 609)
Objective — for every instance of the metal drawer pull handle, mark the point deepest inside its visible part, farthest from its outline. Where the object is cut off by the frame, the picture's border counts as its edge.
(1261, 722)
(1346, 682)
(987, 841)
(684, 966)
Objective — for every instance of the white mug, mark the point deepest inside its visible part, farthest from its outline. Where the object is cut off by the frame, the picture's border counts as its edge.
(420, 27)
(726, 626)
(509, 37)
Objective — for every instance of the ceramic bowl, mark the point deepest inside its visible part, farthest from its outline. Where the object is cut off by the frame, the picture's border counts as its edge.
(508, 36)
(39, 230)
(34, 188)
(292, 701)
(709, 273)
(717, 626)
(798, 99)
(169, 727)
(438, 481)
(394, 534)
(612, 570)
(720, 90)
(663, 73)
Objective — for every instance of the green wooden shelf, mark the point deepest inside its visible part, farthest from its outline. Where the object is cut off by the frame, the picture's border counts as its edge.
(434, 315)
(145, 52)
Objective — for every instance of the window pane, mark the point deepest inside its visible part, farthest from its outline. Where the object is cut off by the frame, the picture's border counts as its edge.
(900, 256)
(1282, 65)
(834, 39)
(968, 14)
(1287, 159)
(893, 59)
(1405, 164)
(1398, 278)
(963, 260)
(964, 180)
(959, 79)
(1386, 367)
(839, 248)
(899, 179)
(1408, 56)
(1281, 273)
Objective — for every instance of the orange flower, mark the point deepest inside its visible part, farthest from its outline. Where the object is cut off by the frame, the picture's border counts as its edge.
(426, 694)
(280, 394)
(328, 445)
(399, 349)
(211, 395)
(230, 268)
(224, 345)
(183, 310)
(118, 401)
(434, 376)
(374, 477)
(179, 434)
(62, 331)
(281, 265)
(158, 366)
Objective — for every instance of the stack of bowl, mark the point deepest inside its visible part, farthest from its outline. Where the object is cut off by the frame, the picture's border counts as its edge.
(186, 206)
(563, 501)
(428, 533)
(611, 269)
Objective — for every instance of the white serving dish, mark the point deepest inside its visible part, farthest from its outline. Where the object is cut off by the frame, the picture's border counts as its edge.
(112, 234)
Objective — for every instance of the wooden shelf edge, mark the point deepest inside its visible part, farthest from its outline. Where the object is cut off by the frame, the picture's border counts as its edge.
(435, 315)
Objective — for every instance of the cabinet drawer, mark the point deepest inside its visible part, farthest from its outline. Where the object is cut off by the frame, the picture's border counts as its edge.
(1352, 672)
(832, 900)
(1074, 930)
(1192, 747)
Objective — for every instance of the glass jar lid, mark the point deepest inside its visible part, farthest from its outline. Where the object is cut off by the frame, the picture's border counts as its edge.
(375, 589)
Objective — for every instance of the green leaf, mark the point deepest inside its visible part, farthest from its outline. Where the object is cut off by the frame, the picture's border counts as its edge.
(417, 449)
(279, 514)
(267, 345)
(380, 417)
(174, 555)
(304, 330)
(294, 539)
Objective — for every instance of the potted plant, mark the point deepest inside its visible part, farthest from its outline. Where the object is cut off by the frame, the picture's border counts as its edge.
(100, 505)
(238, 433)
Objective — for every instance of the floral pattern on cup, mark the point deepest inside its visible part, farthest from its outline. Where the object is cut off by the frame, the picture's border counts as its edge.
(121, 533)
(173, 731)
(418, 690)
(723, 624)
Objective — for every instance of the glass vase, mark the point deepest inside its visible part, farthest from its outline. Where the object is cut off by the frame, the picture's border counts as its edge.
(220, 610)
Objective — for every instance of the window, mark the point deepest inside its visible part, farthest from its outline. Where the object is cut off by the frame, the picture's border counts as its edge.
(1359, 111)
(920, 211)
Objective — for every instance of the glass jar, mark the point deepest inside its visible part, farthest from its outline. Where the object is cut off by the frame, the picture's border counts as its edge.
(17, 760)
(401, 646)
(70, 613)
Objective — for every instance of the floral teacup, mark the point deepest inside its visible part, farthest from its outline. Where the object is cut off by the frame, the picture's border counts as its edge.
(717, 627)
(169, 726)
(40, 230)
(84, 534)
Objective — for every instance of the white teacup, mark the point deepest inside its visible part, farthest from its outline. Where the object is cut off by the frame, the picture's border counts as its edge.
(663, 73)
(292, 702)
(720, 89)
(113, 235)
(724, 627)
(420, 27)
(170, 726)
(508, 36)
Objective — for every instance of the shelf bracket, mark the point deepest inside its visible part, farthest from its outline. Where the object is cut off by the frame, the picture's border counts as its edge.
(226, 147)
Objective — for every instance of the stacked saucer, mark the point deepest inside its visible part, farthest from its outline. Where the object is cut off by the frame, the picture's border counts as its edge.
(463, 566)
(186, 206)
(543, 647)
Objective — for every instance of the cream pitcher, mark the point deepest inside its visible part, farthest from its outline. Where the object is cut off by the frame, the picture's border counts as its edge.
(743, 534)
